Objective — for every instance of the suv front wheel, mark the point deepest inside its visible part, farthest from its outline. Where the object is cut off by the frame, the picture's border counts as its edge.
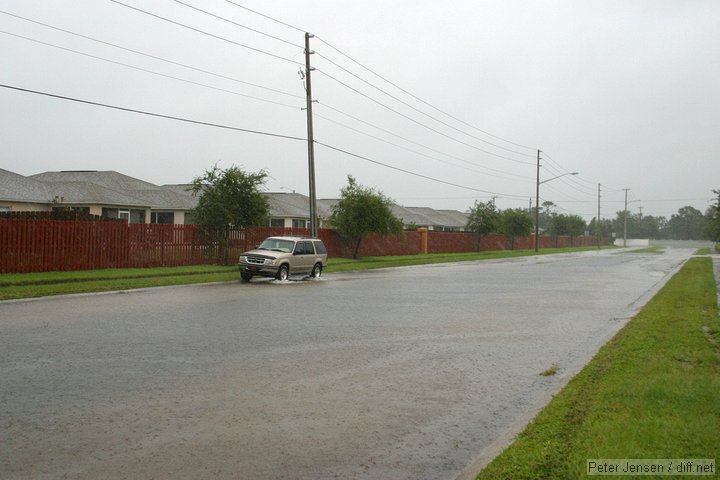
(283, 273)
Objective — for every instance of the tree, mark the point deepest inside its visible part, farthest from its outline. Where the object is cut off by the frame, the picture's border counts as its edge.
(515, 222)
(229, 197)
(362, 211)
(687, 224)
(570, 225)
(712, 216)
(483, 218)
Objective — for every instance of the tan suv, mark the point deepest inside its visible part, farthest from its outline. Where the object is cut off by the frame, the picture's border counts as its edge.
(281, 257)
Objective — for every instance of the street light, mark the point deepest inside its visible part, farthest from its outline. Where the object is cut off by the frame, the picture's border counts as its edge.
(537, 200)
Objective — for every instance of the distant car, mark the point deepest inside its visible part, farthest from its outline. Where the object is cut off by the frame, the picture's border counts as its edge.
(280, 257)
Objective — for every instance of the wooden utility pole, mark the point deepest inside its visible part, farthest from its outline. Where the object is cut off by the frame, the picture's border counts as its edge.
(311, 141)
(625, 215)
(537, 204)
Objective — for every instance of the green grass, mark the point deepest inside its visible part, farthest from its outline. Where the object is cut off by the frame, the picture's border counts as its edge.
(15, 286)
(367, 263)
(652, 392)
(655, 249)
(27, 285)
(703, 251)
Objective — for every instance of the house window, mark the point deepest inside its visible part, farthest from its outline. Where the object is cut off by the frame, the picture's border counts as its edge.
(189, 218)
(277, 222)
(137, 216)
(165, 218)
(298, 223)
(110, 213)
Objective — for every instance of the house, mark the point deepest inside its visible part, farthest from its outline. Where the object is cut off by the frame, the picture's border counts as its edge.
(19, 193)
(114, 195)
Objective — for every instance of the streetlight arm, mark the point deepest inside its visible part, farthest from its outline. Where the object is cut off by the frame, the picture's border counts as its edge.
(553, 178)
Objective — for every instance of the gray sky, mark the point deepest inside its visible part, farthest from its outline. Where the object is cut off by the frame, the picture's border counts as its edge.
(625, 92)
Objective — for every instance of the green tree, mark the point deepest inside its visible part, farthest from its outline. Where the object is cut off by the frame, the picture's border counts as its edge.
(228, 198)
(712, 219)
(688, 224)
(362, 211)
(483, 218)
(570, 225)
(515, 222)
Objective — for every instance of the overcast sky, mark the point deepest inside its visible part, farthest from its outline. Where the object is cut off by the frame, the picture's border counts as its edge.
(627, 93)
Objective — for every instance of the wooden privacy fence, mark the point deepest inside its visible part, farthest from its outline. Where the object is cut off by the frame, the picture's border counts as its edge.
(36, 245)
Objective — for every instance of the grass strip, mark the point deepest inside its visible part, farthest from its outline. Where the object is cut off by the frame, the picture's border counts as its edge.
(28, 285)
(49, 278)
(655, 249)
(652, 392)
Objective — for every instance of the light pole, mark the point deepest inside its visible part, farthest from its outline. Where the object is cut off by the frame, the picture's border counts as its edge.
(537, 200)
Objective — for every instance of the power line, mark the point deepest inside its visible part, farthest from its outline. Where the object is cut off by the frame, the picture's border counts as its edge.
(417, 122)
(237, 24)
(151, 56)
(205, 33)
(267, 16)
(355, 155)
(151, 114)
(415, 151)
(420, 99)
(418, 110)
(191, 82)
(256, 132)
(380, 77)
(419, 144)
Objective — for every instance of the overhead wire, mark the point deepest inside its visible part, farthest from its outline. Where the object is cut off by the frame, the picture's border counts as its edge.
(411, 150)
(381, 77)
(361, 157)
(151, 114)
(160, 74)
(212, 35)
(155, 57)
(417, 109)
(245, 130)
(455, 157)
(418, 122)
(220, 17)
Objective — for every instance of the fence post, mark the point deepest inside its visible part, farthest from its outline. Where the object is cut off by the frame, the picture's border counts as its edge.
(423, 240)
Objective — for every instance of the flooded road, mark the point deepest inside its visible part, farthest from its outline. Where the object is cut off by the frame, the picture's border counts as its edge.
(418, 372)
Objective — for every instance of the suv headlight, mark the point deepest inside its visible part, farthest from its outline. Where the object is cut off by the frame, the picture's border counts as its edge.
(269, 261)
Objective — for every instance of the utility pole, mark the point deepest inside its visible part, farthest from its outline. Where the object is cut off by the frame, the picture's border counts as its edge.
(530, 208)
(640, 208)
(311, 141)
(537, 204)
(625, 215)
(598, 218)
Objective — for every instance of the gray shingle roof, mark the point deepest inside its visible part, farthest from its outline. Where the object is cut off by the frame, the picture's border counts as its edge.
(87, 193)
(17, 188)
(293, 205)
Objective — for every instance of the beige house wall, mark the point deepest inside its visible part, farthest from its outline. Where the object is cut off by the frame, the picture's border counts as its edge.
(25, 207)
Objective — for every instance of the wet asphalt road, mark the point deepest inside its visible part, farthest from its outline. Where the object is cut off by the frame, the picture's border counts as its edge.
(394, 374)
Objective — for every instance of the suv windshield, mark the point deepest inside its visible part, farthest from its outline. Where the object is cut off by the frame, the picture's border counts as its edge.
(277, 245)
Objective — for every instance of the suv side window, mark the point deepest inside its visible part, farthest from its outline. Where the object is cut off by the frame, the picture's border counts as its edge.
(303, 248)
(319, 247)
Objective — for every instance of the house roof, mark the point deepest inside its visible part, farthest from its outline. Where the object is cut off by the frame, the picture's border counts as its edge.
(114, 188)
(88, 193)
(18, 188)
(289, 205)
(106, 178)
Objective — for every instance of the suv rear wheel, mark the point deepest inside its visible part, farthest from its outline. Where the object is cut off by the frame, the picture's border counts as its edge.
(316, 271)
(282, 274)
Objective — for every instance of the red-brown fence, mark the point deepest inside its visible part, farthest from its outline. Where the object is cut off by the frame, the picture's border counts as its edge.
(29, 245)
